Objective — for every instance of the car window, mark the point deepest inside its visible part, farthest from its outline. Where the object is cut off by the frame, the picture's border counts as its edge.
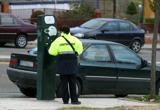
(93, 24)
(7, 20)
(133, 26)
(111, 26)
(97, 53)
(124, 55)
(124, 26)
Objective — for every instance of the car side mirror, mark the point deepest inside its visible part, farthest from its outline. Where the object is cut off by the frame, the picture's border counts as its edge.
(144, 63)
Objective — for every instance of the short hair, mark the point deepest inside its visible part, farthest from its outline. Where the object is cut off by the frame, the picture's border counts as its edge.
(65, 29)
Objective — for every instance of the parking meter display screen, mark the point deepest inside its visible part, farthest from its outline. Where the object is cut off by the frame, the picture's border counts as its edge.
(49, 19)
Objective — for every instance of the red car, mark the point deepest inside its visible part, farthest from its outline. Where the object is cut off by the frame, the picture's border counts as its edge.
(15, 30)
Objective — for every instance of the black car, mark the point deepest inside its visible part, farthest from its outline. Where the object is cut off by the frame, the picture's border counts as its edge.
(116, 30)
(105, 68)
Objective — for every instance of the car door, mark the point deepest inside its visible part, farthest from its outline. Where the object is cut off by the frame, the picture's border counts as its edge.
(132, 78)
(109, 31)
(126, 33)
(100, 73)
(8, 28)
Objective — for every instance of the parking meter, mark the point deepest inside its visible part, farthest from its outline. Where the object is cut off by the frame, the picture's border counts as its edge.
(47, 32)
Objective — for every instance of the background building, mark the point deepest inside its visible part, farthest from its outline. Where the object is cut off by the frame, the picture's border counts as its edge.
(148, 13)
(24, 8)
(106, 7)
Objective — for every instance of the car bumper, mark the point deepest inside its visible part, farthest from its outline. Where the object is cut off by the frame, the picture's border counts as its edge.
(23, 78)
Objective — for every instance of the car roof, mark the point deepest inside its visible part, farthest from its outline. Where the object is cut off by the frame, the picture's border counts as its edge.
(97, 41)
(109, 19)
(87, 41)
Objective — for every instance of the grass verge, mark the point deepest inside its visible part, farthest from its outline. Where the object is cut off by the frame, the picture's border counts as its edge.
(146, 98)
(153, 107)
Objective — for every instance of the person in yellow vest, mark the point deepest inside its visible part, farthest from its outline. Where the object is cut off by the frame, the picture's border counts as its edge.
(67, 48)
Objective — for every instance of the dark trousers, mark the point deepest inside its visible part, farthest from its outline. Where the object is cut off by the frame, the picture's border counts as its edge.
(69, 80)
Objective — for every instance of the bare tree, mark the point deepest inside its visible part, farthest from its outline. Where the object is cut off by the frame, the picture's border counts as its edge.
(114, 8)
(154, 48)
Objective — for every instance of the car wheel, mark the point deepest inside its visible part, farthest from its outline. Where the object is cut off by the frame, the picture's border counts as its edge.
(78, 89)
(21, 41)
(120, 95)
(136, 46)
(29, 92)
(158, 88)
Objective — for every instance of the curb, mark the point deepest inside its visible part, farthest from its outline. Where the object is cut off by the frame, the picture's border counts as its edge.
(4, 58)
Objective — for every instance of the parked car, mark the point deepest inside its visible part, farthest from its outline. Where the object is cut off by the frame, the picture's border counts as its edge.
(105, 68)
(116, 30)
(15, 30)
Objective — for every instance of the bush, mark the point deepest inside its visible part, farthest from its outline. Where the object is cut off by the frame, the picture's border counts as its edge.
(149, 20)
(132, 9)
(132, 13)
(35, 15)
(80, 12)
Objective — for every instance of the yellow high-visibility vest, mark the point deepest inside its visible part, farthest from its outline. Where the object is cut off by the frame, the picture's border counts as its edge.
(60, 45)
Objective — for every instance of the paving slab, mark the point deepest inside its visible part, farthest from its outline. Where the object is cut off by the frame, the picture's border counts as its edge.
(34, 104)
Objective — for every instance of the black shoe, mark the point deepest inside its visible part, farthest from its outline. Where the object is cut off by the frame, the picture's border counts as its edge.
(77, 102)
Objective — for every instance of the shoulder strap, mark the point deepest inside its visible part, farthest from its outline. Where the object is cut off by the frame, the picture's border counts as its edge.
(70, 44)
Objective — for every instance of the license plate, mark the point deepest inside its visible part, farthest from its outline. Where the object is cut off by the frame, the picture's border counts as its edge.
(26, 63)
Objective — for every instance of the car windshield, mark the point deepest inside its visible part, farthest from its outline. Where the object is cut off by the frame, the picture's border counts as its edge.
(93, 24)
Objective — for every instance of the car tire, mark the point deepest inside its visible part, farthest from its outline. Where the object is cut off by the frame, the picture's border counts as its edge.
(21, 41)
(78, 89)
(158, 88)
(29, 92)
(136, 46)
(120, 95)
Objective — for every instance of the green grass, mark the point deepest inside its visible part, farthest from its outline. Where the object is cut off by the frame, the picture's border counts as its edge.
(86, 108)
(147, 98)
(115, 108)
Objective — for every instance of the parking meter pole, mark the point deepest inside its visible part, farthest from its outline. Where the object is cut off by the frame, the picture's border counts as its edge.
(46, 71)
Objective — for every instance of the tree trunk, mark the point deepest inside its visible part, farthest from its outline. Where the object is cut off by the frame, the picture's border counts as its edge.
(114, 8)
(154, 48)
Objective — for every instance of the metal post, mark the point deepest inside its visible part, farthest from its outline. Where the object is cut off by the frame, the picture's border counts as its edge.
(46, 69)
(97, 4)
(114, 8)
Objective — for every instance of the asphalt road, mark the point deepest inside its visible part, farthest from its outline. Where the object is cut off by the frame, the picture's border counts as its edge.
(147, 55)
(7, 88)
(9, 48)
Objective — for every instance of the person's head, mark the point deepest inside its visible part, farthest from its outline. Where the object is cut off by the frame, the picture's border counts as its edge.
(65, 29)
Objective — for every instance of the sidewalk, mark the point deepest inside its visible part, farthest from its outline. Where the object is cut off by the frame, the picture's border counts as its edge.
(149, 46)
(149, 38)
(34, 104)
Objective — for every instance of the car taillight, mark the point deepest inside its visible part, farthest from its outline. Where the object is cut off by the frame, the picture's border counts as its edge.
(13, 62)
